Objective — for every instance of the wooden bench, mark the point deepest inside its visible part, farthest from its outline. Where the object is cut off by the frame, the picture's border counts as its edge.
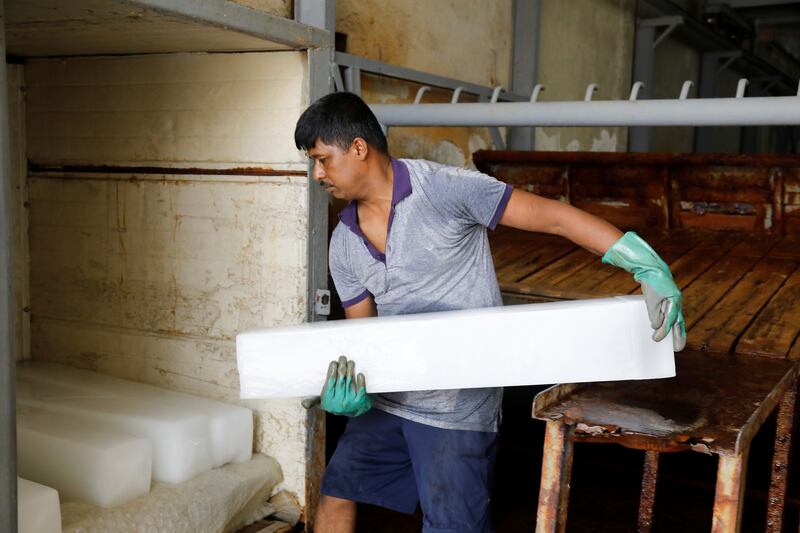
(729, 227)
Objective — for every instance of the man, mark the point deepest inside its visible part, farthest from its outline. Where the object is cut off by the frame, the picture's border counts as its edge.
(413, 240)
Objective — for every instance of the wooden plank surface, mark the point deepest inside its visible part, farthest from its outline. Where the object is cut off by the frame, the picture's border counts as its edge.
(741, 291)
(776, 327)
(701, 295)
(719, 329)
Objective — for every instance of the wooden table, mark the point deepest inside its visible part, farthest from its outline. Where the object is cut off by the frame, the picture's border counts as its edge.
(741, 301)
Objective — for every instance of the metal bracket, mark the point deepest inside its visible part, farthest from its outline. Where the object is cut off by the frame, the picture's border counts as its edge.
(322, 302)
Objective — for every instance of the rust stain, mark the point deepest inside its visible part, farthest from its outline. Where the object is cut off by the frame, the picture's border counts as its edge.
(110, 169)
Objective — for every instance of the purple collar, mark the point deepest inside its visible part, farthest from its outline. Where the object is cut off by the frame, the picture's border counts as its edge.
(401, 189)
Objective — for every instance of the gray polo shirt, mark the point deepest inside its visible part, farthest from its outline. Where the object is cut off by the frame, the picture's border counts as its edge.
(437, 259)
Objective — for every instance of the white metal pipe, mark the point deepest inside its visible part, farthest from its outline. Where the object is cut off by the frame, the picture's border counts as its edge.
(687, 86)
(590, 89)
(754, 111)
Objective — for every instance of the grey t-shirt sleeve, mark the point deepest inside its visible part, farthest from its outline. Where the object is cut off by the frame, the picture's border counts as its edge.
(469, 195)
(348, 287)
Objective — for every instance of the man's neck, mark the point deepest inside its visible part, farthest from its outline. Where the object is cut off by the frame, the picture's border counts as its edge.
(379, 186)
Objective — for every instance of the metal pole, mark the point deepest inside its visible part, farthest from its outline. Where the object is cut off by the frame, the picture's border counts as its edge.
(762, 111)
(644, 58)
(524, 64)
(8, 434)
(320, 14)
(707, 89)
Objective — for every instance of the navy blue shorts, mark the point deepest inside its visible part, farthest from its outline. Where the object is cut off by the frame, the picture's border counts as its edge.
(385, 460)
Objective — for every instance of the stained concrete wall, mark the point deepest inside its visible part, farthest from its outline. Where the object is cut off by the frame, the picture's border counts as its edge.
(581, 43)
(674, 63)
(468, 40)
(150, 276)
(472, 40)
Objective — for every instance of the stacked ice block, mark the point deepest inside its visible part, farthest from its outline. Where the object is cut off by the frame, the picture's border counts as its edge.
(37, 508)
(114, 429)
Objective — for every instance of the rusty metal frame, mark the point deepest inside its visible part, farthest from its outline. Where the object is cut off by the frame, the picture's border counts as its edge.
(551, 515)
(780, 460)
(647, 498)
(731, 470)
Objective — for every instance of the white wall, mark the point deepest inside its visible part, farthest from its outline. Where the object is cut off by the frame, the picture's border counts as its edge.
(150, 276)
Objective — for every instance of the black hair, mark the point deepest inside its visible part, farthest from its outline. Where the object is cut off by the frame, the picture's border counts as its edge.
(337, 119)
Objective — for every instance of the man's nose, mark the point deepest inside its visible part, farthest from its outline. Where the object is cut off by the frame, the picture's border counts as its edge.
(319, 172)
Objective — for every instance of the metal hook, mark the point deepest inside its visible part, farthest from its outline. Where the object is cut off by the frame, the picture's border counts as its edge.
(741, 87)
(536, 90)
(456, 94)
(687, 86)
(635, 90)
(590, 89)
(422, 90)
(496, 94)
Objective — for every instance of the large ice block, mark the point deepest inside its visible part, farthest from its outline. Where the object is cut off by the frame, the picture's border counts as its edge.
(231, 426)
(179, 437)
(578, 341)
(82, 459)
(37, 508)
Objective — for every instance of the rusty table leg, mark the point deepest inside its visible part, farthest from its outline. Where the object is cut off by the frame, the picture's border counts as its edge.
(551, 515)
(729, 495)
(647, 498)
(780, 460)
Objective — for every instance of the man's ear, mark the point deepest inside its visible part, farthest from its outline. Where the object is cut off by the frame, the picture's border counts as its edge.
(360, 148)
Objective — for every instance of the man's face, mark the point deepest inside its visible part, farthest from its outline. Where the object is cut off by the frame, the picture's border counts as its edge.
(337, 170)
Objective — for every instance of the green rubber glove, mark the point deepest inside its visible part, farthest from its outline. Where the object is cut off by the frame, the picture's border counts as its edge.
(344, 393)
(632, 254)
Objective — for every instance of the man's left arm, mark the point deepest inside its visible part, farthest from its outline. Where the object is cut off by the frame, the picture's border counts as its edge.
(628, 251)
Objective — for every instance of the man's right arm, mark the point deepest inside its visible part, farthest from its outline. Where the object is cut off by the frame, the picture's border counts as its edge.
(363, 309)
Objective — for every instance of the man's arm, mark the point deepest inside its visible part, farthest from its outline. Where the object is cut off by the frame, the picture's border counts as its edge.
(363, 309)
(530, 212)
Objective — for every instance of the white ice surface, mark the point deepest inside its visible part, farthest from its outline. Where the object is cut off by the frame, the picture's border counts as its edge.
(37, 508)
(230, 426)
(82, 459)
(605, 339)
(179, 437)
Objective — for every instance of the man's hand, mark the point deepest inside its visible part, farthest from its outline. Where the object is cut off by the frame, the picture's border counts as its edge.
(344, 393)
(662, 296)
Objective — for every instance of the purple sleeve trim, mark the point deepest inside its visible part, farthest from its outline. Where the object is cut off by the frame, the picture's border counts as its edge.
(501, 207)
(354, 301)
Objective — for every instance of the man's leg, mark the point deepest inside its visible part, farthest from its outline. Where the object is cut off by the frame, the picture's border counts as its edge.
(453, 470)
(335, 515)
(370, 465)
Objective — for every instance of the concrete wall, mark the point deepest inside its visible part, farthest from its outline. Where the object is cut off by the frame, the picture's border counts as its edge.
(150, 276)
(581, 43)
(468, 40)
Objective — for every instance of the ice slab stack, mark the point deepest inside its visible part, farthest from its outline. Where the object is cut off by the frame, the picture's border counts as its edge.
(186, 435)
(82, 459)
(230, 427)
(179, 438)
(38, 510)
(578, 341)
